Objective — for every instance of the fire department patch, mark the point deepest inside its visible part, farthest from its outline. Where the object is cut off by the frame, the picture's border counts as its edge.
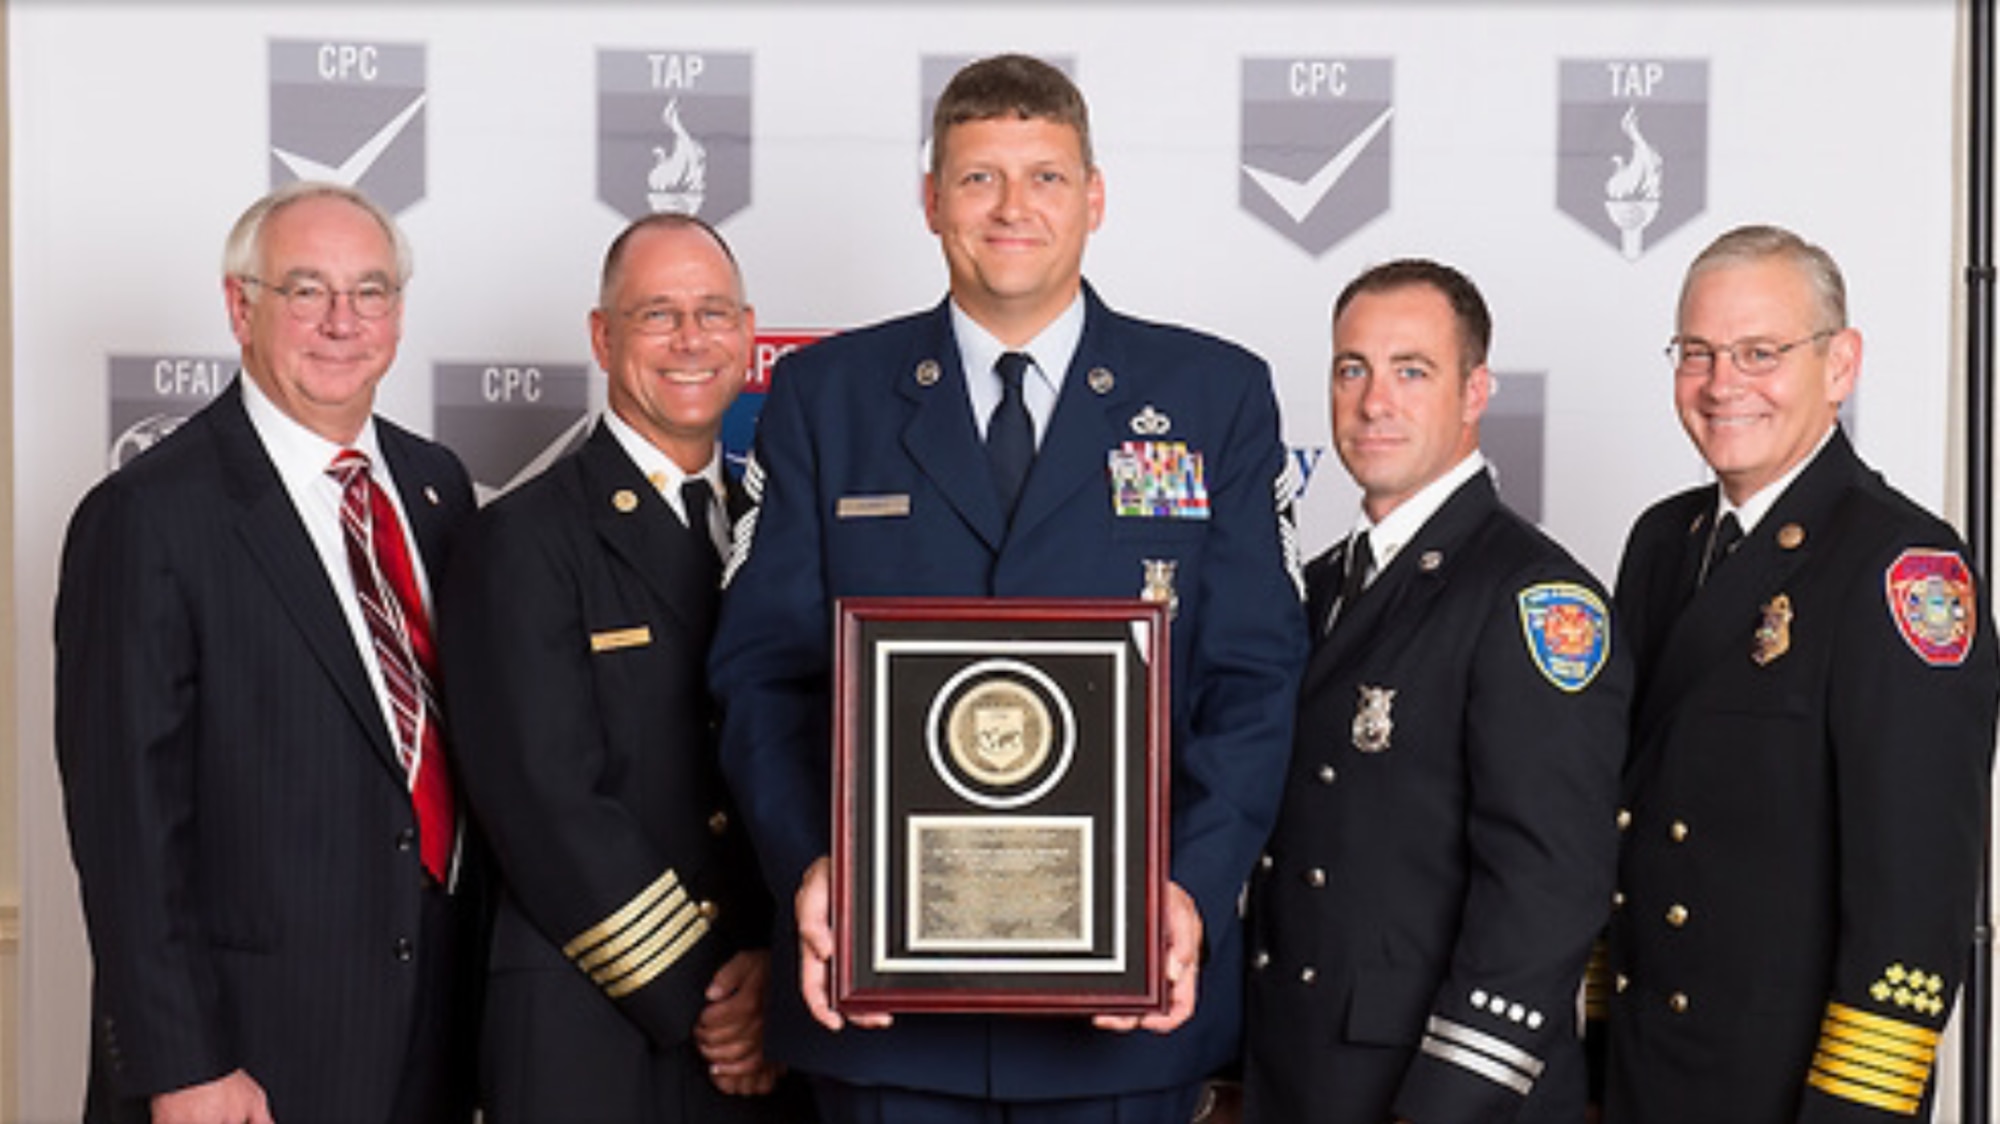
(1932, 602)
(1567, 632)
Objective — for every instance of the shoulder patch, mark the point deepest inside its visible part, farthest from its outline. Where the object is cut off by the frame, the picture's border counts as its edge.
(1933, 604)
(1567, 630)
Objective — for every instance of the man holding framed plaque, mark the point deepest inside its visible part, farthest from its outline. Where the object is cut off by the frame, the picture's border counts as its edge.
(1445, 850)
(1018, 440)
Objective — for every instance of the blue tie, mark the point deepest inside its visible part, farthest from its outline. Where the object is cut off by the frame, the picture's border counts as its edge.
(1010, 433)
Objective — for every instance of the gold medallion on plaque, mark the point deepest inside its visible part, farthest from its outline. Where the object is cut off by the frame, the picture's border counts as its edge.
(999, 733)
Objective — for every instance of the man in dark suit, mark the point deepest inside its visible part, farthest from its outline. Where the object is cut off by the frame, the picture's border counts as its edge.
(873, 481)
(1807, 795)
(628, 963)
(1443, 856)
(256, 796)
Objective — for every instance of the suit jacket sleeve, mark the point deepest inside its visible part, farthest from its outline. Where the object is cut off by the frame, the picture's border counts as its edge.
(531, 752)
(1245, 660)
(1542, 766)
(127, 670)
(1912, 743)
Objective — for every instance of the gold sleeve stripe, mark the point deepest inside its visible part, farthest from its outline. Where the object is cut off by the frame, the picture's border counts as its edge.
(1888, 1102)
(1597, 982)
(657, 938)
(1919, 1071)
(1876, 1044)
(660, 963)
(1893, 1028)
(646, 928)
(622, 916)
(1867, 1075)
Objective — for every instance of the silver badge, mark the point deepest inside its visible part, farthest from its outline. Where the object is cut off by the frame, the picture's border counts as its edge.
(1372, 724)
(928, 372)
(1430, 560)
(1100, 379)
(1150, 422)
(1159, 587)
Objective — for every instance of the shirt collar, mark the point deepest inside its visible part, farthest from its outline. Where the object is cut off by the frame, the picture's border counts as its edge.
(659, 467)
(1401, 525)
(1761, 501)
(1051, 349)
(298, 453)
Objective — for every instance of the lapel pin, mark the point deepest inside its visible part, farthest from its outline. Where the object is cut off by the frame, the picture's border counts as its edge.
(1790, 536)
(928, 372)
(1100, 379)
(1694, 528)
(431, 494)
(1430, 560)
(624, 500)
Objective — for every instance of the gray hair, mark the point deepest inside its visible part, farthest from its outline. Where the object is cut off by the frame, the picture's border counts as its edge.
(1756, 243)
(242, 253)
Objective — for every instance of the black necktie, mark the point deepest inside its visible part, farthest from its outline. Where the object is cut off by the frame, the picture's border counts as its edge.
(695, 494)
(1010, 433)
(1360, 563)
(1721, 543)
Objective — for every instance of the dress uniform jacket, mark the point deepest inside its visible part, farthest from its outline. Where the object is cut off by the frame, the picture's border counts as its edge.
(1807, 801)
(242, 829)
(1445, 851)
(574, 645)
(874, 482)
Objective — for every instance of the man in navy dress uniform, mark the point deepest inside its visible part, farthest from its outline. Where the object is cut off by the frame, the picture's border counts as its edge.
(1444, 855)
(1806, 800)
(970, 450)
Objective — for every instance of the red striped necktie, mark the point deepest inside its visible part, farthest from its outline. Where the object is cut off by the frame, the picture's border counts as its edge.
(386, 583)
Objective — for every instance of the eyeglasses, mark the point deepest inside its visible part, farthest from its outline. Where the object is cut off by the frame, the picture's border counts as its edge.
(1752, 356)
(311, 299)
(661, 319)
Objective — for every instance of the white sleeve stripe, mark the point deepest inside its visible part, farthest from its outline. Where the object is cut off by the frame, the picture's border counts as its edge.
(1478, 1063)
(1497, 1048)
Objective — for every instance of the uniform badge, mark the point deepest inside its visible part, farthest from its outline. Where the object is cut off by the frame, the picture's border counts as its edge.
(1791, 536)
(1159, 587)
(928, 373)
(1150, 422)
(1932, 602)
(1372, 723)
(1567, 630)
(1100, 379)
(1773, 637)
(1157, 479)
(1430, 561)
(625, 500)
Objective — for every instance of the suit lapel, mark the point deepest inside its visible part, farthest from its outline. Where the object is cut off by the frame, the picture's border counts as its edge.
(1085, 426)
(940, 436)
(276, 537)
(1715, 628)
(420, 493)
(1396, 602)
(644, 534)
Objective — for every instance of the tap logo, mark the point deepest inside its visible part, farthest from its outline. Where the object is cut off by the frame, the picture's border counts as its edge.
(673, 132)
(1633, 148)
(351, 113)
(507, 419)
(1316, 146)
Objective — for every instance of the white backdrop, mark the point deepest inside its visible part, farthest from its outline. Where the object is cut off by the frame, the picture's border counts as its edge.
(139, 132)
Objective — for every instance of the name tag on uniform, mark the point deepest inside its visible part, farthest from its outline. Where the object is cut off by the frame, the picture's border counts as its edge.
(1158, 480)
(872, 507)
(617, 638)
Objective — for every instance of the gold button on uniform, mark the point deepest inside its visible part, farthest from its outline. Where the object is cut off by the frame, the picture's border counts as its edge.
(1307, 975)
(1326, 774)
(1262, 961)
(1678, 832)
(1678, 1003)
(1617, 899)
(1624, 818)
(1315, 878)
(1677, 915)
(1624, 981)
(1264, 862)
(718, 823)
(709, 910)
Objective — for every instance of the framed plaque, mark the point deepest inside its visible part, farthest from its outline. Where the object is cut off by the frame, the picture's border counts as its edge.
(1000, 803)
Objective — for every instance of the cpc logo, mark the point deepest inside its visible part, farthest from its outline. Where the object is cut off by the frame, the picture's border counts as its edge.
(771, 347)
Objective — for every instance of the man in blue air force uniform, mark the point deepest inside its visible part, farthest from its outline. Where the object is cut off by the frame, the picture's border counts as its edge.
(1444, 854)
(887, 461)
